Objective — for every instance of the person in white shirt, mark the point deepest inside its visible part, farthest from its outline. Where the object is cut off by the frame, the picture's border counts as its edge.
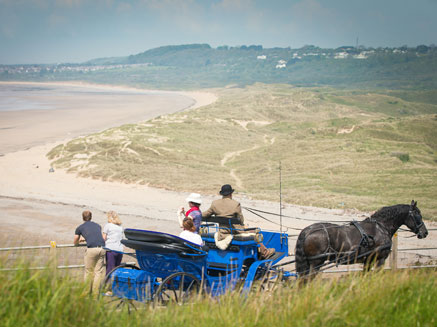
(112, 234)
(189, 232)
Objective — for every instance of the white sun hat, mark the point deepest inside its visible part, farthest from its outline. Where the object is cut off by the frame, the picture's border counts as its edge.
(195, 198)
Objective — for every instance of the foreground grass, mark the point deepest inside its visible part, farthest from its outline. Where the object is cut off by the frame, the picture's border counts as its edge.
(338, 149)
(29, 298)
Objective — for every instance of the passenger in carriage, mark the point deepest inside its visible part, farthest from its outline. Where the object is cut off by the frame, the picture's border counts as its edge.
(189, 232)
(194, 201)
(228, 207)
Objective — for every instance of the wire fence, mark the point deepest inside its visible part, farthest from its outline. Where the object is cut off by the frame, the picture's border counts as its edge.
(53, 247)
(52, 257)
(53, 254)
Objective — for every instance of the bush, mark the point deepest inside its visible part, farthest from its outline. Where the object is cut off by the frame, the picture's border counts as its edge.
(402, 156)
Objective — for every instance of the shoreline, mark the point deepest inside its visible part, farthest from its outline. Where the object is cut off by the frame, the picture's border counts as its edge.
(71, 115)
(201, 98)
(40, 205)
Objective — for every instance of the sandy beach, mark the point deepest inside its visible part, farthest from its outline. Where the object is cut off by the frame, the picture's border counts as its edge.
(73, 109)
(39, 206)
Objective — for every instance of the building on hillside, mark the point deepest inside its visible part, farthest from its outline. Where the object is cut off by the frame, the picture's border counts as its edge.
(281, 64)
(361, 55)
(262, 57)
(341, 55)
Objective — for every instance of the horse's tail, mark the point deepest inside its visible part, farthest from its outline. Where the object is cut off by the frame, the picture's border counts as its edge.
(302, 262)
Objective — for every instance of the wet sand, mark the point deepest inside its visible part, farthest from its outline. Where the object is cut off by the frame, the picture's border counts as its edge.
(72, 110)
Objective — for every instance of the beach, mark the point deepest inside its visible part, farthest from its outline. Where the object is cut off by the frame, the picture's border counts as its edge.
(39, 206)
(52, 112)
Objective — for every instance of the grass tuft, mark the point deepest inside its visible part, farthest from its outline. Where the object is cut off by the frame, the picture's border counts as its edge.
(42, 298)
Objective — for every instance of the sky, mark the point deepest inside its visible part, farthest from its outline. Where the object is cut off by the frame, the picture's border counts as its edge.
(61, 31)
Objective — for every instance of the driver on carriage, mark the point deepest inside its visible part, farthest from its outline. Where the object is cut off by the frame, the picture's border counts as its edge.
(227, 207)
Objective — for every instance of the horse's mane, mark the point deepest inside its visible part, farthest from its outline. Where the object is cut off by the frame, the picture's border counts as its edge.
(389, 213)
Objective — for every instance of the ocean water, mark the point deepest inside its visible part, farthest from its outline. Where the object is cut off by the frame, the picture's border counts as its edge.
(14, 97)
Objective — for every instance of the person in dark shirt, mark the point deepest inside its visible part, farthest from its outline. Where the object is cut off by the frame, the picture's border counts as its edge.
(94, 254)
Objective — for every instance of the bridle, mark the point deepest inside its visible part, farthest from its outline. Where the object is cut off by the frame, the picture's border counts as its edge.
(417, 224)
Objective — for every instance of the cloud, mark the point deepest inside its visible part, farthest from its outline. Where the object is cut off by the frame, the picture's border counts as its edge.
(181, 15)
(55, 20)
(124, 7)
(8, 24)
(81, 3)
(21, 3)
(7, 31)
(234, 5)
(311, 9)
(68, 3)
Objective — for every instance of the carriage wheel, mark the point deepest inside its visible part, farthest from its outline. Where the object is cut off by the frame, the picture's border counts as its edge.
(178, 288)
(109, 299)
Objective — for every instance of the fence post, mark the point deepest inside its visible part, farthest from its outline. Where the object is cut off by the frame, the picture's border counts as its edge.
(394, 253)
(53, 258)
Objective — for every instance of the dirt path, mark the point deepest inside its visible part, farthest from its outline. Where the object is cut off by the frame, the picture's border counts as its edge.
(231, 155)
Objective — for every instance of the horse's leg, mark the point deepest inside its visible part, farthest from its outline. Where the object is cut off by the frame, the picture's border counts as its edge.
(312, 269)
(367, 264)
(315, 267)
(373, 260)
(380, 263)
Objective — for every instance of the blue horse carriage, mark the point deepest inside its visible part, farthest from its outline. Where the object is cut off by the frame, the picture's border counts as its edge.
(172, 269)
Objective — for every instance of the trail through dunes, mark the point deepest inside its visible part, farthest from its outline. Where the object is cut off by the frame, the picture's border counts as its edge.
(228, 156)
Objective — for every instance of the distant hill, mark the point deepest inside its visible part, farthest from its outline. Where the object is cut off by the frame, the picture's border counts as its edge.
(201, 66)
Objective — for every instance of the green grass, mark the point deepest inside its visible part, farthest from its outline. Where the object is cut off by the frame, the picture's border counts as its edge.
(336, 147)
(407, 298)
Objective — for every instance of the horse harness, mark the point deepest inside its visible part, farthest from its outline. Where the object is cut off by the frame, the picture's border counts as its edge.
(366, 243)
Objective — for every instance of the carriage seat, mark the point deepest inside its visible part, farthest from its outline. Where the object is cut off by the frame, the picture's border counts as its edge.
(240, 234)
(244, 237)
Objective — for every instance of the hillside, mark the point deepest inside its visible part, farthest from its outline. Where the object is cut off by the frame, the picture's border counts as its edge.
(201, 66)
(337, 148)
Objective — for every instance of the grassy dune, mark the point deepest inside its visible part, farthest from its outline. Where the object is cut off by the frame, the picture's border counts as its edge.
(30, 298)
(337, 148)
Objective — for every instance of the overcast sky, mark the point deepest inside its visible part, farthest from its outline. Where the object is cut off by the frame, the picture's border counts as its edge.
(55, 31)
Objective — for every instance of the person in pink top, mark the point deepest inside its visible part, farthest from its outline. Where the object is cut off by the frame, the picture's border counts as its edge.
(194, 201)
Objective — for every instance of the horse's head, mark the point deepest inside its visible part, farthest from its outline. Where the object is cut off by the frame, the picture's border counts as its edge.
(414, 221)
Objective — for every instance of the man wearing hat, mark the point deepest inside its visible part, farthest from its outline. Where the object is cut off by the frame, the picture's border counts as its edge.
(194, 201)
(227, 207)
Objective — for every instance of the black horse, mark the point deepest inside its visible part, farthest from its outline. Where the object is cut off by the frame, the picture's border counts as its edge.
(368, 241)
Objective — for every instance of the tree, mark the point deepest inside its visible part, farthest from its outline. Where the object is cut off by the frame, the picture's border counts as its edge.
(422, 49)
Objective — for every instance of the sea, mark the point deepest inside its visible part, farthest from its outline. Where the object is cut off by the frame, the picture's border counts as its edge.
(15, 97)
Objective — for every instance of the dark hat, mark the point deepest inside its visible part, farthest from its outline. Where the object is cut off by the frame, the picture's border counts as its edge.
(226, 189)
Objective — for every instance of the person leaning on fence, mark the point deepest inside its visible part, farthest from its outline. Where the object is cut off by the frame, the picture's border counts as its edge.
(194, 201)
(112, 234)
(94, 254)
(229, 208)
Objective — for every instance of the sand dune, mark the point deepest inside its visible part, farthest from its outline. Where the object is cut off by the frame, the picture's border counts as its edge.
(40, 205)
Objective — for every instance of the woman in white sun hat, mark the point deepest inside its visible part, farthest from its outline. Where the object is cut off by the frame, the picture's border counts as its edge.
(194, 201)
